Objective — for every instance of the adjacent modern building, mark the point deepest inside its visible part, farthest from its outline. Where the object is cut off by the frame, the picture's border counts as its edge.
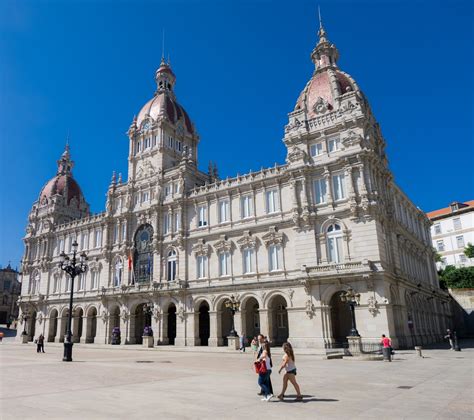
(175, 243)
(10, 289)
(452, 230)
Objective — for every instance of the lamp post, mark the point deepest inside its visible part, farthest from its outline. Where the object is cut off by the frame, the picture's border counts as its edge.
(233, 304)
(73, 268)
(26, 315)
(352, 299)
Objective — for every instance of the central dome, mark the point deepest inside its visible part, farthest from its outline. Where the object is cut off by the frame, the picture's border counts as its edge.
(164, 103)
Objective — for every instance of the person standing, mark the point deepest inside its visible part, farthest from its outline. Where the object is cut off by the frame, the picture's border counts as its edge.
(450, 337)
(386, 348)
(254, 346)
(288, 363)
(40, 344)
(242, 343)
(264, 378)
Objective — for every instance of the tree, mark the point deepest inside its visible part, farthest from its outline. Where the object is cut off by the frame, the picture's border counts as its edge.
(469, 250)
(437, 256)
(457, 278)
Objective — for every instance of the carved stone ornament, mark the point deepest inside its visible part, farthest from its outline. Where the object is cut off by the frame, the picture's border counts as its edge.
(201, 248)
(125, 313)
(307, 286)
(104, 316)
(295, 154)
(272, 237)
(310, 309)
(351, 138)
(321, 106)
(156, 313)
(223, 244)
(247, 240)
(40, 317)
(146, 170)
(181, 314)
(373, 306)
(291, 292)
(293, 125)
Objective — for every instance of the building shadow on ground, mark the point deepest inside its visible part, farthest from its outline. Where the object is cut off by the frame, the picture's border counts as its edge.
(306, 398)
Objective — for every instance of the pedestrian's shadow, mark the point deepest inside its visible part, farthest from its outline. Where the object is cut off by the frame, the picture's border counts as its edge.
(306, 398)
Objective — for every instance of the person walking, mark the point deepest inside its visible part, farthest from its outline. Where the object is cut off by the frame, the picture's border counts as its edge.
(288, 363)
(264, 378)
(242, 343)
(1, 336)
(386, 348)
(40, 344)
(450, 337)
(261, 343)
(254, 346)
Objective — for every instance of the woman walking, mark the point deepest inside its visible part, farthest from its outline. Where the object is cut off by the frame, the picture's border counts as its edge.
(288, 363)
(264, 378)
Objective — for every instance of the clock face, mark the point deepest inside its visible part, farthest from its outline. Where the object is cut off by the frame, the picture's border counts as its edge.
(146, 126)
(180, 128)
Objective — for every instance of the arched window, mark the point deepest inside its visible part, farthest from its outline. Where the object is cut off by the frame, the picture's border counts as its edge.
(334, 243)
(143, 261)
(56, 283)
(171, 265)
(118, 270)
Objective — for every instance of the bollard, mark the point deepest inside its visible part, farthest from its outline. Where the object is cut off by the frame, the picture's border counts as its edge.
(418, 351)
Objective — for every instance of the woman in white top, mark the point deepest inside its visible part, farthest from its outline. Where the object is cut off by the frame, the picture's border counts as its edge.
(288, 363)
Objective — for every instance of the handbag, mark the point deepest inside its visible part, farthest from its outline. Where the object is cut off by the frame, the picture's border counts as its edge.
(260, 367)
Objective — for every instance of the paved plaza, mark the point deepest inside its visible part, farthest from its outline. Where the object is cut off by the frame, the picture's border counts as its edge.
(128, 382)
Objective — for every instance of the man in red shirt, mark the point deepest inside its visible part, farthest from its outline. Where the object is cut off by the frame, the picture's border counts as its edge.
(387, 348)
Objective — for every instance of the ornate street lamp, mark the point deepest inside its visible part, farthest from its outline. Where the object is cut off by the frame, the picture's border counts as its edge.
(352, 299)
(73, 268)
(233, 304)
(26, 315)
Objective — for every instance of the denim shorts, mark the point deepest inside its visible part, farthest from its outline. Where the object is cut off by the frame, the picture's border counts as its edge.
(292, 372)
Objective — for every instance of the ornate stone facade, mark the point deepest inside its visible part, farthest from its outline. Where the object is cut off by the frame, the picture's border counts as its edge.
(285, 241)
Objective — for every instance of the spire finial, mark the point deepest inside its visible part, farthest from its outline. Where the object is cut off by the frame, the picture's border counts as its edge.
(163, 46)
(320, 20)
(321, 32)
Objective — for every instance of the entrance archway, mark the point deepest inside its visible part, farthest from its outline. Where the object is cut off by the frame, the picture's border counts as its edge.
(114, 321)
(279, 330)
(341, 321)
(53, 325)
(63, 329)
(31, 331)
(204, 324)
(91, 327)
(77, 327)
(251, 318)
(171, 324)
(141, 320)
(225, 323)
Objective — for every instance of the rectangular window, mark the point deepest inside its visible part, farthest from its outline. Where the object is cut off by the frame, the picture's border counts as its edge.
(178, 146)
(136, 199)
(274, 258)
(224, 263)
(154, 141)
(61, 245)
(440, 245)
(176, 187)
(224, 215)
(247, 206)
(460, 241)
(457, 223)
(248, 257)
(339, 187)
(272, 201)
(437, 228)
(334, 144)
(170, 142)
(316, 149)
(320, 190)
(124, 232)
(177, 222)
(93, 280)
(168, 190)
(201, 266)
(462, 258)
(202, 216)
(116, 233)
(167, 223)
(335, 249)
(81, 282)
(98, 239)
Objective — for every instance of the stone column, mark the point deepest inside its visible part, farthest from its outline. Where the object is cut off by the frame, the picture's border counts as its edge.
(163, 336)
(156, 327)
(102, 331)
(124, 328)
(214, 327)
(181, 327)
(239, 322)
(264, 322)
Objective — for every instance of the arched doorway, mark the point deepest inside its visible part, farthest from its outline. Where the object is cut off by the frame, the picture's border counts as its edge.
(143, 256)
(278, 329)
(91, 327)
(204, 324)
(141, 319)
(114, 321)
(32, 327)
(77, 327)
(171, 324)
(251, 318)
(53, 325)
(341, 320)
(63, 330)
(225, 323)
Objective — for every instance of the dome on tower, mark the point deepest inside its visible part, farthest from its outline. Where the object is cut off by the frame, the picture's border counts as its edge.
(328, 81)
(164, 103)
(63, 184)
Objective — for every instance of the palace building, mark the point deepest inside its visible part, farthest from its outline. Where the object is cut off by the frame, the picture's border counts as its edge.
(174, 243)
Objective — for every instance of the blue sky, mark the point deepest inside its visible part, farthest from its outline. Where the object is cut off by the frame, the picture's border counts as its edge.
(87, 67)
